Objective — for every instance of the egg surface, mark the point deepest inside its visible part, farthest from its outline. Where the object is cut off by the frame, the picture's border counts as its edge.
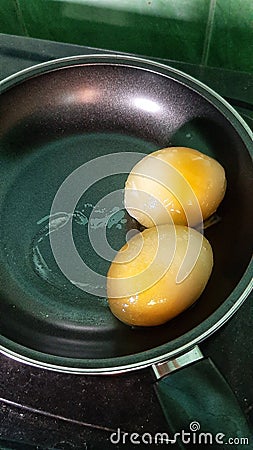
(174, 185)
(158, 274)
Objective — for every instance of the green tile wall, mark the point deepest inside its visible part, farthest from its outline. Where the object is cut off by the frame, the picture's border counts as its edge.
(10, 18)
(158, 28)
(232, 35)
(208, 32)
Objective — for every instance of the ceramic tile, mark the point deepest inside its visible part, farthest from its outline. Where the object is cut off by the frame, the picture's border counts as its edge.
(166, 29)
(11, 18)
(231, 44)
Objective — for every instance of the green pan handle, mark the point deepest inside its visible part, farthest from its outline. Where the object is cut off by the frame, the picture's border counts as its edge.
(196, 398)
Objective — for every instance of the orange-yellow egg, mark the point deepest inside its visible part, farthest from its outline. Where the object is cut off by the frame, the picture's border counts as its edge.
(158, 274)
(175, 184)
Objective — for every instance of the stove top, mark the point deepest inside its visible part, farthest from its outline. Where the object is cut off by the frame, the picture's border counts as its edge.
(48, 410)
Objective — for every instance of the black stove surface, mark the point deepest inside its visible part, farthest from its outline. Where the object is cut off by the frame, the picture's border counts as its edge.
(48, 410)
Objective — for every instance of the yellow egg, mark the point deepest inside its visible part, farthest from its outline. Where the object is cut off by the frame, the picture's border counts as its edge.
(158, 274)
(175, 184)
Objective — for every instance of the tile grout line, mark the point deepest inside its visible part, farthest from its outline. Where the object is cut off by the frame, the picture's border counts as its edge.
(21, 17)
(54, 416)
(208, 33)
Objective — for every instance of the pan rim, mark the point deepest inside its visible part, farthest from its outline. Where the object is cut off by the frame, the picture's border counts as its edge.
(58, 63)
(203, 330)
(117, 365)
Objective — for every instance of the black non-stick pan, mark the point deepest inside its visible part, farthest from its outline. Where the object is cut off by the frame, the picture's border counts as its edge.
(80, 124)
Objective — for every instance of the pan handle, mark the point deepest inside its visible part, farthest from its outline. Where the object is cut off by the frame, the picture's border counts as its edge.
(196, 398)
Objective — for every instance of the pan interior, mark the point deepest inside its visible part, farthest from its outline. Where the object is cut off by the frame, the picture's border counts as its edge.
(51, 125)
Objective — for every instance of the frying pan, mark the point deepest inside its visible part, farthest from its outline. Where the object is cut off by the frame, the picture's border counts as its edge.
(57, 117)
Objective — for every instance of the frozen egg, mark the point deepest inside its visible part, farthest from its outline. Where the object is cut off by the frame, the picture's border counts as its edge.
(158, 274)
(174, 185)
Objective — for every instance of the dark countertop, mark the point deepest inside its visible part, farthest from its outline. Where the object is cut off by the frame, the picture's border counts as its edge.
(63, 411)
